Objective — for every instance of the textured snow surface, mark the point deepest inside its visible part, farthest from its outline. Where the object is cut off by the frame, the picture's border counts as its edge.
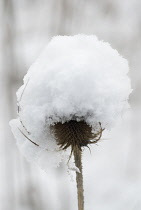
(76, 76)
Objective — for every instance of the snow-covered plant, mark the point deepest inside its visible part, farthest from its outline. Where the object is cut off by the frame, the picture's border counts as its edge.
(77, 88)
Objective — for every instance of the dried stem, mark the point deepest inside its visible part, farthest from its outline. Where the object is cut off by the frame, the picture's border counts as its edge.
(79, 178)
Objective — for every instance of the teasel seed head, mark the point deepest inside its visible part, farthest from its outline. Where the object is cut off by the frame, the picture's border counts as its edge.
(74, 134)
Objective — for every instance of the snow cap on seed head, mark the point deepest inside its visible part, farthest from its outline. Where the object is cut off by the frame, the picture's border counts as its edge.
(75, 77)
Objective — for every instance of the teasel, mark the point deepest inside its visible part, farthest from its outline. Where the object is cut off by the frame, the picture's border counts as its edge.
(76, 134)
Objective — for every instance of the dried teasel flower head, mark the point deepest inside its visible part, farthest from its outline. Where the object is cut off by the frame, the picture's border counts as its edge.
(75, 134)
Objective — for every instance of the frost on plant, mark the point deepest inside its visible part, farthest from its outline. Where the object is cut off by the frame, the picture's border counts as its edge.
(76, 78)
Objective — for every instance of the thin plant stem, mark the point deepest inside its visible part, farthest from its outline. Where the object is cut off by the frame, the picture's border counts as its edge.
(79, 178)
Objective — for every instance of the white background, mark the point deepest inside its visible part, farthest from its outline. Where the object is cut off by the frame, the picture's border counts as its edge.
(112, 172)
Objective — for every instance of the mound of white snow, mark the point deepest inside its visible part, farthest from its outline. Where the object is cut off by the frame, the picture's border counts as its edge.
(76, 76)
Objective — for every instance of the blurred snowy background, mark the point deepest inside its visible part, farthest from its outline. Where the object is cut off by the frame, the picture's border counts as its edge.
(112, 172)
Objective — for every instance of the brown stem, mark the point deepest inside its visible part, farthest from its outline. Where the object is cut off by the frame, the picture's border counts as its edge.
(79, 178)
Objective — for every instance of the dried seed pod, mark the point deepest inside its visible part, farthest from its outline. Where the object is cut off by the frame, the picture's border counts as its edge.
(75, 134)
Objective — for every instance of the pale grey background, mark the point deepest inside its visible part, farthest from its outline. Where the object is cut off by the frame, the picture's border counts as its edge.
(112, 173)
